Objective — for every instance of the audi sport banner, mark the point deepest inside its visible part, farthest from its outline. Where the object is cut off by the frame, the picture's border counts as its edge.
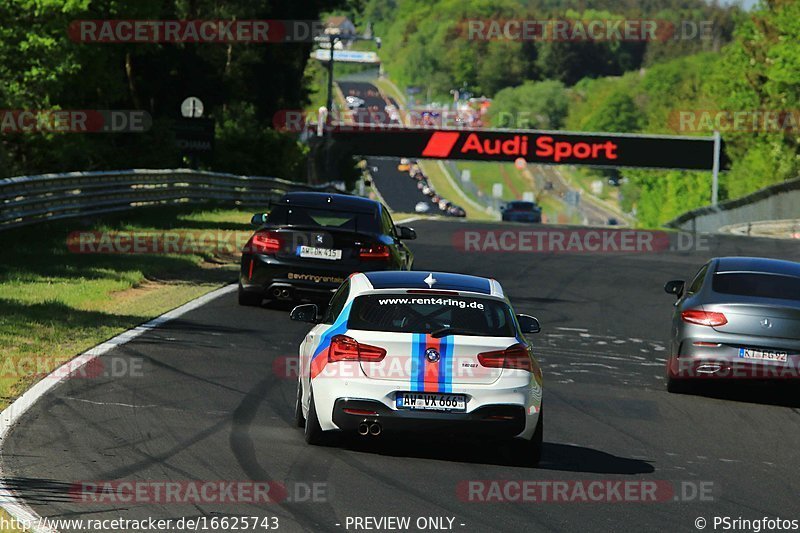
(539, 147)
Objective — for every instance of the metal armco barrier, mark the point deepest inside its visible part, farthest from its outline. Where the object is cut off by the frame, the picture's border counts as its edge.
(29, 200)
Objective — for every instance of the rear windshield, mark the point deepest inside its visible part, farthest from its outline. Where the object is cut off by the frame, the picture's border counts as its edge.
(757, 284)
(522, 206)
(427, 313)
(325, 218)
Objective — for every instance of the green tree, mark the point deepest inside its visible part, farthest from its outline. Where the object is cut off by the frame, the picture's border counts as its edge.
(541, 105)
(618, 113)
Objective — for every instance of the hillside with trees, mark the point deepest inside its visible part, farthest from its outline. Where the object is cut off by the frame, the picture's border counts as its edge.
(751, 63)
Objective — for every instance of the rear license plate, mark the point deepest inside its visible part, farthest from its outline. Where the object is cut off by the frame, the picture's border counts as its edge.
(319, 253)
(427, 401)
(763, 355)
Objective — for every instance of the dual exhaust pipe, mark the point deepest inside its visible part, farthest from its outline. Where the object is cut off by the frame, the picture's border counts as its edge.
(281, 293)
(369, 428)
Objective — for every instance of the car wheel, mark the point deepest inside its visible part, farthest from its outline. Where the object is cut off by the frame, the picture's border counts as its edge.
(299, 419)
(531, 450)
(313, 432)
(249, 299)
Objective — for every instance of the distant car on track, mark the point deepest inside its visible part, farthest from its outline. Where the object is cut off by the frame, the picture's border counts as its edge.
(521, 211)
(456, 211)
(422, 207)
(739, 318)
(426, 352)
(354, 102)
(310, 242)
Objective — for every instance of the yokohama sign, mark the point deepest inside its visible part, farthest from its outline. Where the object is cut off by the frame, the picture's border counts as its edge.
(539, 147)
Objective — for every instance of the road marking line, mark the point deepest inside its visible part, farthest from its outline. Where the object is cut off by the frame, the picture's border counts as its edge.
(14, 505)
(407, 220)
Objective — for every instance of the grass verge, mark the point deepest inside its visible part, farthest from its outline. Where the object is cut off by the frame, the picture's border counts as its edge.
(446, 189)
(56, 303)
(485, 175)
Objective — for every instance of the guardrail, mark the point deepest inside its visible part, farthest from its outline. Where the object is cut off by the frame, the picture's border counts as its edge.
(780, 229)
(29, 200)
(775, 202)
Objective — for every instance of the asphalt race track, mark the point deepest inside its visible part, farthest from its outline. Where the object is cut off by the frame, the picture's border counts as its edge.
(210, 402)
(399, 191)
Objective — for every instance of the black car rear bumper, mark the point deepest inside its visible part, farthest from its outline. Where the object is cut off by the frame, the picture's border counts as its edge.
(283, 279)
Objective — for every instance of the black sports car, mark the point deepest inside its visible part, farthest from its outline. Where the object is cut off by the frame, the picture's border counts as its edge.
(521, 211)
(310, 242)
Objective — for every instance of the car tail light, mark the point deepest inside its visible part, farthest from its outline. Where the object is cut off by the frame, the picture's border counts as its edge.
(344, 348)
(264, 242)
(703, 318)
(515, 357)
(374, 252)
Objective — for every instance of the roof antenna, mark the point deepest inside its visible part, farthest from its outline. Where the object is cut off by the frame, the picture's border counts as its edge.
(430, 280)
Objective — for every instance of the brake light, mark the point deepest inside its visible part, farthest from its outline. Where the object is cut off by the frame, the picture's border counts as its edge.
(375, 252)
(344, 348)
(426, 291)
(703, 318)
(264, 242)
(515, 357)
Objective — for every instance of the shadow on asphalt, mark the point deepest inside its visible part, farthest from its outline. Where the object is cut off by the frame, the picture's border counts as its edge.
(555, 456)
(783, 394)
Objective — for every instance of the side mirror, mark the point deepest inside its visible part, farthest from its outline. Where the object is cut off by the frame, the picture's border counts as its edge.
(675, 287)
(528, 324)
(306, 313)
(259, 219)
(407, 234)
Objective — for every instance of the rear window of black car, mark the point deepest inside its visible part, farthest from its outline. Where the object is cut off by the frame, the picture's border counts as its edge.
(762, 285)
(426, 313)
(324, 218)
